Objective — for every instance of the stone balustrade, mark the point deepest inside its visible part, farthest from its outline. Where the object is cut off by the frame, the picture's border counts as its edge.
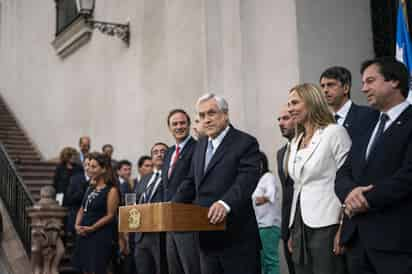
(47, 228)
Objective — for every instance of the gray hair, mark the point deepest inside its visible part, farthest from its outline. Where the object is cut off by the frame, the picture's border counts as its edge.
(221, 102)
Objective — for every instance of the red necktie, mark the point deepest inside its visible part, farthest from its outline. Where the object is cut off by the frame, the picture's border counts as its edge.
(175, 158)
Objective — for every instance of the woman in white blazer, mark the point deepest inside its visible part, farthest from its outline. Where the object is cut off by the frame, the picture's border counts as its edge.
(319, 148)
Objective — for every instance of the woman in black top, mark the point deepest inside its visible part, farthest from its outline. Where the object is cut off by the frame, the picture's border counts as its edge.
(65, 170)
(95, 221)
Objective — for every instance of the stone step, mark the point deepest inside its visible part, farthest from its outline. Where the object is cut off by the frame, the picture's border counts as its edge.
(36, 175)
(16, 147)
(11, 132)
(7, 118)
(22, 158)
(29, 183)
(36, 168)
(37, 162)
(21, 151)
(20, 141)
(13, 137)
(9, 125)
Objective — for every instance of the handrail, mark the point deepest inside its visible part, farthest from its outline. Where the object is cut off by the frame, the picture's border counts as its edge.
(16, 198)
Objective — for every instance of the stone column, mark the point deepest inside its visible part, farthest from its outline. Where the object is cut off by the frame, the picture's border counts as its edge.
(47, 228)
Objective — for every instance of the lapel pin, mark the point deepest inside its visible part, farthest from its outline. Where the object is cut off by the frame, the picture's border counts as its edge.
(399, 123)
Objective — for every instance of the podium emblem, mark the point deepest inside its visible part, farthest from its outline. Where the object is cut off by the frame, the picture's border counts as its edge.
(134, 218)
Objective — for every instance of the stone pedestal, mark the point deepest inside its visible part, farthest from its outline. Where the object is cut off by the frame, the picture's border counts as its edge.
(47, 225)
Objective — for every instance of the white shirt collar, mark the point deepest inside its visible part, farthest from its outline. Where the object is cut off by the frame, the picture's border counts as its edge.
(87, 177)
(218, 140)
(121, 180)
(395, 111)
(344, 110)
(182, 144)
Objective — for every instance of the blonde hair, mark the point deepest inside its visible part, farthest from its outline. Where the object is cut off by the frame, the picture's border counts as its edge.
(319, 114)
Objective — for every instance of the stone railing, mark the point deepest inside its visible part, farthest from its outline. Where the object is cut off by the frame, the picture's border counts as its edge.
(47, 248)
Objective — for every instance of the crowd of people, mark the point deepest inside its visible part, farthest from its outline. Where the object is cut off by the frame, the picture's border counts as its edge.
(345, 176)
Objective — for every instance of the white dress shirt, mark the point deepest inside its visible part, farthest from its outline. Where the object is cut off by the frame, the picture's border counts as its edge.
(181, 146)
(393, 114)
(267, 214)
(343, 112)
(216, 143)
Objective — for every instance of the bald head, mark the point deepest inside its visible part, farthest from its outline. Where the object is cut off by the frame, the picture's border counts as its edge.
(286, 123)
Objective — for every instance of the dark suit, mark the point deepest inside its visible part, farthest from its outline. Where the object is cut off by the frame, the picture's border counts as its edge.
(124, 188)
(182, 247)
(382, 240)
(359, 120)
(150, 252)
(231, 176)
(287, 196)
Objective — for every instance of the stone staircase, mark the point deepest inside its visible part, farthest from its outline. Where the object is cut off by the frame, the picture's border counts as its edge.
(33, 170)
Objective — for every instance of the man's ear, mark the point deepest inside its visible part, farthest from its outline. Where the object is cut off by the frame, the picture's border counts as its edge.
(395, 84)
(346, 89)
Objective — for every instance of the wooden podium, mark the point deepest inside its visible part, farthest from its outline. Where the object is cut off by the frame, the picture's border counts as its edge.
(161, 217)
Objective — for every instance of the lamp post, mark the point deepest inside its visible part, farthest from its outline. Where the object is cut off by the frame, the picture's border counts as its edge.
(122, 31)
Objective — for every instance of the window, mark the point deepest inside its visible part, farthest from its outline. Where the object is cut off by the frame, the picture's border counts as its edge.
(66, 13)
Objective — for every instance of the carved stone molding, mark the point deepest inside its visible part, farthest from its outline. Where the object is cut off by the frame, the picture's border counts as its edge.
(73, 37)
(47, 247)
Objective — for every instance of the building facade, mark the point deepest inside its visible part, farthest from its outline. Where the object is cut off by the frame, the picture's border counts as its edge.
(64, 82)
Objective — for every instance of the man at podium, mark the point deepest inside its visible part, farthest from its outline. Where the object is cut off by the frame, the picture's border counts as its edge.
(181, 247)
(150, 250)
(223, 175)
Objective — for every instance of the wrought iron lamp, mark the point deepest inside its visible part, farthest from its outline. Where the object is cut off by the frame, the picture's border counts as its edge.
(122, 31)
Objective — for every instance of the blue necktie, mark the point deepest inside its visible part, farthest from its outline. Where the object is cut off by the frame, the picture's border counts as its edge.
(148, 193)
(382, 121)
(209, 153)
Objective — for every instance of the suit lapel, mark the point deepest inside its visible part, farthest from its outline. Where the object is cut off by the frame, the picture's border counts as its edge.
(314, 143)
(350, 117)
(200, 157)
(220, 151)
(281, 159)
(181, 155)
(165, 172)
(391, 130)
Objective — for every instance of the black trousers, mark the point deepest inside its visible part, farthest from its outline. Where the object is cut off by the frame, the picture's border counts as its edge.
(243, 259)
(362, 260)
(150, 254)
(182, 252)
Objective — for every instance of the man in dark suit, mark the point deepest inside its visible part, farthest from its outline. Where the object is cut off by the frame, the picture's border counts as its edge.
(223, 175)
(375, 182)
(84, 147)
(182, 247)
(287, 128)
(336, 83)
(150, 249)
(124, 172)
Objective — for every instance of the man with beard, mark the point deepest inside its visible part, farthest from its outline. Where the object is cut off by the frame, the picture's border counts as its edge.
(287, 129)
